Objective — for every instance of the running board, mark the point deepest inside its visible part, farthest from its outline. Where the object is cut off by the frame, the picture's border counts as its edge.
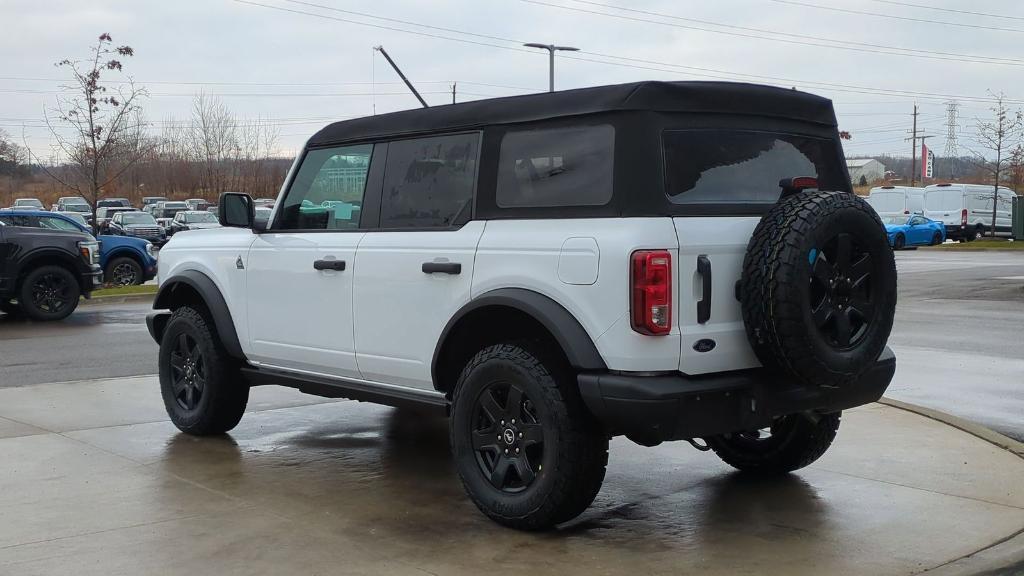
(351, 389)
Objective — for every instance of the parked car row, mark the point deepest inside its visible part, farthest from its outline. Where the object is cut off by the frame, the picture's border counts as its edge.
(962, 211)
(160, 218)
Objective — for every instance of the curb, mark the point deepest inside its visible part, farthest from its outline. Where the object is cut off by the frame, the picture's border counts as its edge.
(977, 430)
(98, 300)
(1004, 557)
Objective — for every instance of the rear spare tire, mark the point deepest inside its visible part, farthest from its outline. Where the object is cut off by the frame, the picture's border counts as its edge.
(819, 288)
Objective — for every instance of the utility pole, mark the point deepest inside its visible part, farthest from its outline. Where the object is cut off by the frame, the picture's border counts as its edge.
(551, 48)
(402, 76)
(913, 153)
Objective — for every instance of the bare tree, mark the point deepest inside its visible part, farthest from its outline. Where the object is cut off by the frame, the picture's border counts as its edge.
(13, 163)
(997, 136)
(108, 130)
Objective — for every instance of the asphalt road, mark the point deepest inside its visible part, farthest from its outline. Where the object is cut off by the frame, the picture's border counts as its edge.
(958, 335)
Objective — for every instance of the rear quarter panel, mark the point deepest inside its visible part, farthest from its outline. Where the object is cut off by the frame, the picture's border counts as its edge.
(529, 254)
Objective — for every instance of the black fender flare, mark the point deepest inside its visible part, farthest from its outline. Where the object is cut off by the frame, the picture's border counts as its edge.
(579, 348)
(212, 298)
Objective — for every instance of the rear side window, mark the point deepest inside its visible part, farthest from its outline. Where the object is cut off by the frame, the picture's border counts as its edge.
(744, 167)
(556, 167)
(429, 182)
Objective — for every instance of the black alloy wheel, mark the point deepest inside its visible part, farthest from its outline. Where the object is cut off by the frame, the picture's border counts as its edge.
(936, 239)
(507, 437)
(52, 293)
(841, 291)
(188, 372)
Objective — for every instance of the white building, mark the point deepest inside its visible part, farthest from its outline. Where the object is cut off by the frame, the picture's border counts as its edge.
(872, 170)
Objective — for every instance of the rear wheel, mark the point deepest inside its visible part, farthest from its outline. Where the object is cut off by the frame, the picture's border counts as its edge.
(899, 242)
(201, 386)
(49, 293)
(123, 271)
(936, 239)
(979, 232)
(790, 443)
(529, 454)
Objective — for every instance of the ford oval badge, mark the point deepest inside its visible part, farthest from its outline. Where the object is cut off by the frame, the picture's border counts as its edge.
(704, 345)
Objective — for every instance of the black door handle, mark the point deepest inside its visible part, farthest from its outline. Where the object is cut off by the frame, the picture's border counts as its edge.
(704, 304)
(329, 265)
(442, 267)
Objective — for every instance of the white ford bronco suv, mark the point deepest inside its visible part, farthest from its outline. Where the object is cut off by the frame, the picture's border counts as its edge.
(660, 260)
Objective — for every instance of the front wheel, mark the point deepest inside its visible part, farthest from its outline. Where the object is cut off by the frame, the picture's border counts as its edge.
(790, 443)
(202, 389)
(528, 453)
(123, 271)
(49, 293)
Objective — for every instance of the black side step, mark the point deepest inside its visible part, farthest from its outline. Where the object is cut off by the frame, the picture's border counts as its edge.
(351, 389)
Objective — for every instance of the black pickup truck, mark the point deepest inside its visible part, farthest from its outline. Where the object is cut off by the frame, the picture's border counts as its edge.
(43, 272)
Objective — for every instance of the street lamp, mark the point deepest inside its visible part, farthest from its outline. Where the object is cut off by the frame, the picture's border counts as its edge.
(551, 48)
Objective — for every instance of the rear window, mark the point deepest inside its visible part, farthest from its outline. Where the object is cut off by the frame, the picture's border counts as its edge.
(744, 167)
(556, 167)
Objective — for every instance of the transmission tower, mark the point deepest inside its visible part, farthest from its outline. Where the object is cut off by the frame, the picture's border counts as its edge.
(951, 152)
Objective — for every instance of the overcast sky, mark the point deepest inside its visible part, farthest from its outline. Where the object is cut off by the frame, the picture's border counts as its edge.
(305, 69)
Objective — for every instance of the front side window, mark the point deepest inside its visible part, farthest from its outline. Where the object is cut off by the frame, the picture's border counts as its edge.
(429, 182)
(745, 167)
(556, 167)
(327, 193)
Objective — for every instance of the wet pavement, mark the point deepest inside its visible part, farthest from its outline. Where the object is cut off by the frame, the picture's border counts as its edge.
(93, 480)
(959, 335)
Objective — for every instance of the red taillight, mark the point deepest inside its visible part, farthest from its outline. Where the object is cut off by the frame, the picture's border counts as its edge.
(651, 289)
(963, 217)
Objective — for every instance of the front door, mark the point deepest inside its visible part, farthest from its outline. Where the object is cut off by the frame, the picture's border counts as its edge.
(299, 273)
(415, 272)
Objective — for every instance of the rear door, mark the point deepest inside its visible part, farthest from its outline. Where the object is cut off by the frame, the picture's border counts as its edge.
(415, 271)
(719, 181)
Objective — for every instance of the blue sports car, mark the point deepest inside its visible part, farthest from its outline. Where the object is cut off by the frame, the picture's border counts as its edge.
(913, 230)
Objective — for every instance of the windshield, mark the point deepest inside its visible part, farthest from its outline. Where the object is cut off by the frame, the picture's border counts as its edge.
(34, 203)
(200, 218)
(710, 166)
(175, 205)
(894, 220)
(77, 208)
(137, 218)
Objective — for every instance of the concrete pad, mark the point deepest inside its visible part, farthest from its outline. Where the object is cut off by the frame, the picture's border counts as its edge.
(343, 487)
(11, 429)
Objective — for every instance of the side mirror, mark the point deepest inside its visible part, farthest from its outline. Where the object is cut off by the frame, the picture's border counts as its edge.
(236, 210)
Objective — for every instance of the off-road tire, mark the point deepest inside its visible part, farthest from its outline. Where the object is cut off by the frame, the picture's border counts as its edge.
(124, 261)
(899, 242)
(225, 393)
(776, 288)
(575, 445)
(802, 440)
(72, 291)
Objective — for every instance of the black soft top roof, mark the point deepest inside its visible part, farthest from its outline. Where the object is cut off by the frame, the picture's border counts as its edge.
(699, 97)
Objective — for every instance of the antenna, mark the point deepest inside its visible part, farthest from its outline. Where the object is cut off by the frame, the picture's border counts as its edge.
(402, 76)
(951, 152)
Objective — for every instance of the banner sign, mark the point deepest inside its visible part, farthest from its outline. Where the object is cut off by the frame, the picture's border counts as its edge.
(927, 162)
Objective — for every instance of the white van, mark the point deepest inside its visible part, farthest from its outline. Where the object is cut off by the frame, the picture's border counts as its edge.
(966, 209)
(896, 200)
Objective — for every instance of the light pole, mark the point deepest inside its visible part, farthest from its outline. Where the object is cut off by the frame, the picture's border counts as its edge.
(551, 48)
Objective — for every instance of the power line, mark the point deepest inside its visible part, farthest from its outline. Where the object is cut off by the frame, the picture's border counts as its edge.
(951, 10)
(277, 84)
(658, 66)
(896, 17)
(787, 37)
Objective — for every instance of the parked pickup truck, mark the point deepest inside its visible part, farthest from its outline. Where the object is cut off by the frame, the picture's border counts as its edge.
(125, 260)
(45, 271)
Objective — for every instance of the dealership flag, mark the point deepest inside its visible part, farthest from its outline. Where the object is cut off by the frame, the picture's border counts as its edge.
(927, 161)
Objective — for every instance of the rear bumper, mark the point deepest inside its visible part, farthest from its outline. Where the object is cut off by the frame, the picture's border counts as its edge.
(674, 407)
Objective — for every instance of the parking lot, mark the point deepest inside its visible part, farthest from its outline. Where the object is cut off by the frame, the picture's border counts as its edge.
(95, 480)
